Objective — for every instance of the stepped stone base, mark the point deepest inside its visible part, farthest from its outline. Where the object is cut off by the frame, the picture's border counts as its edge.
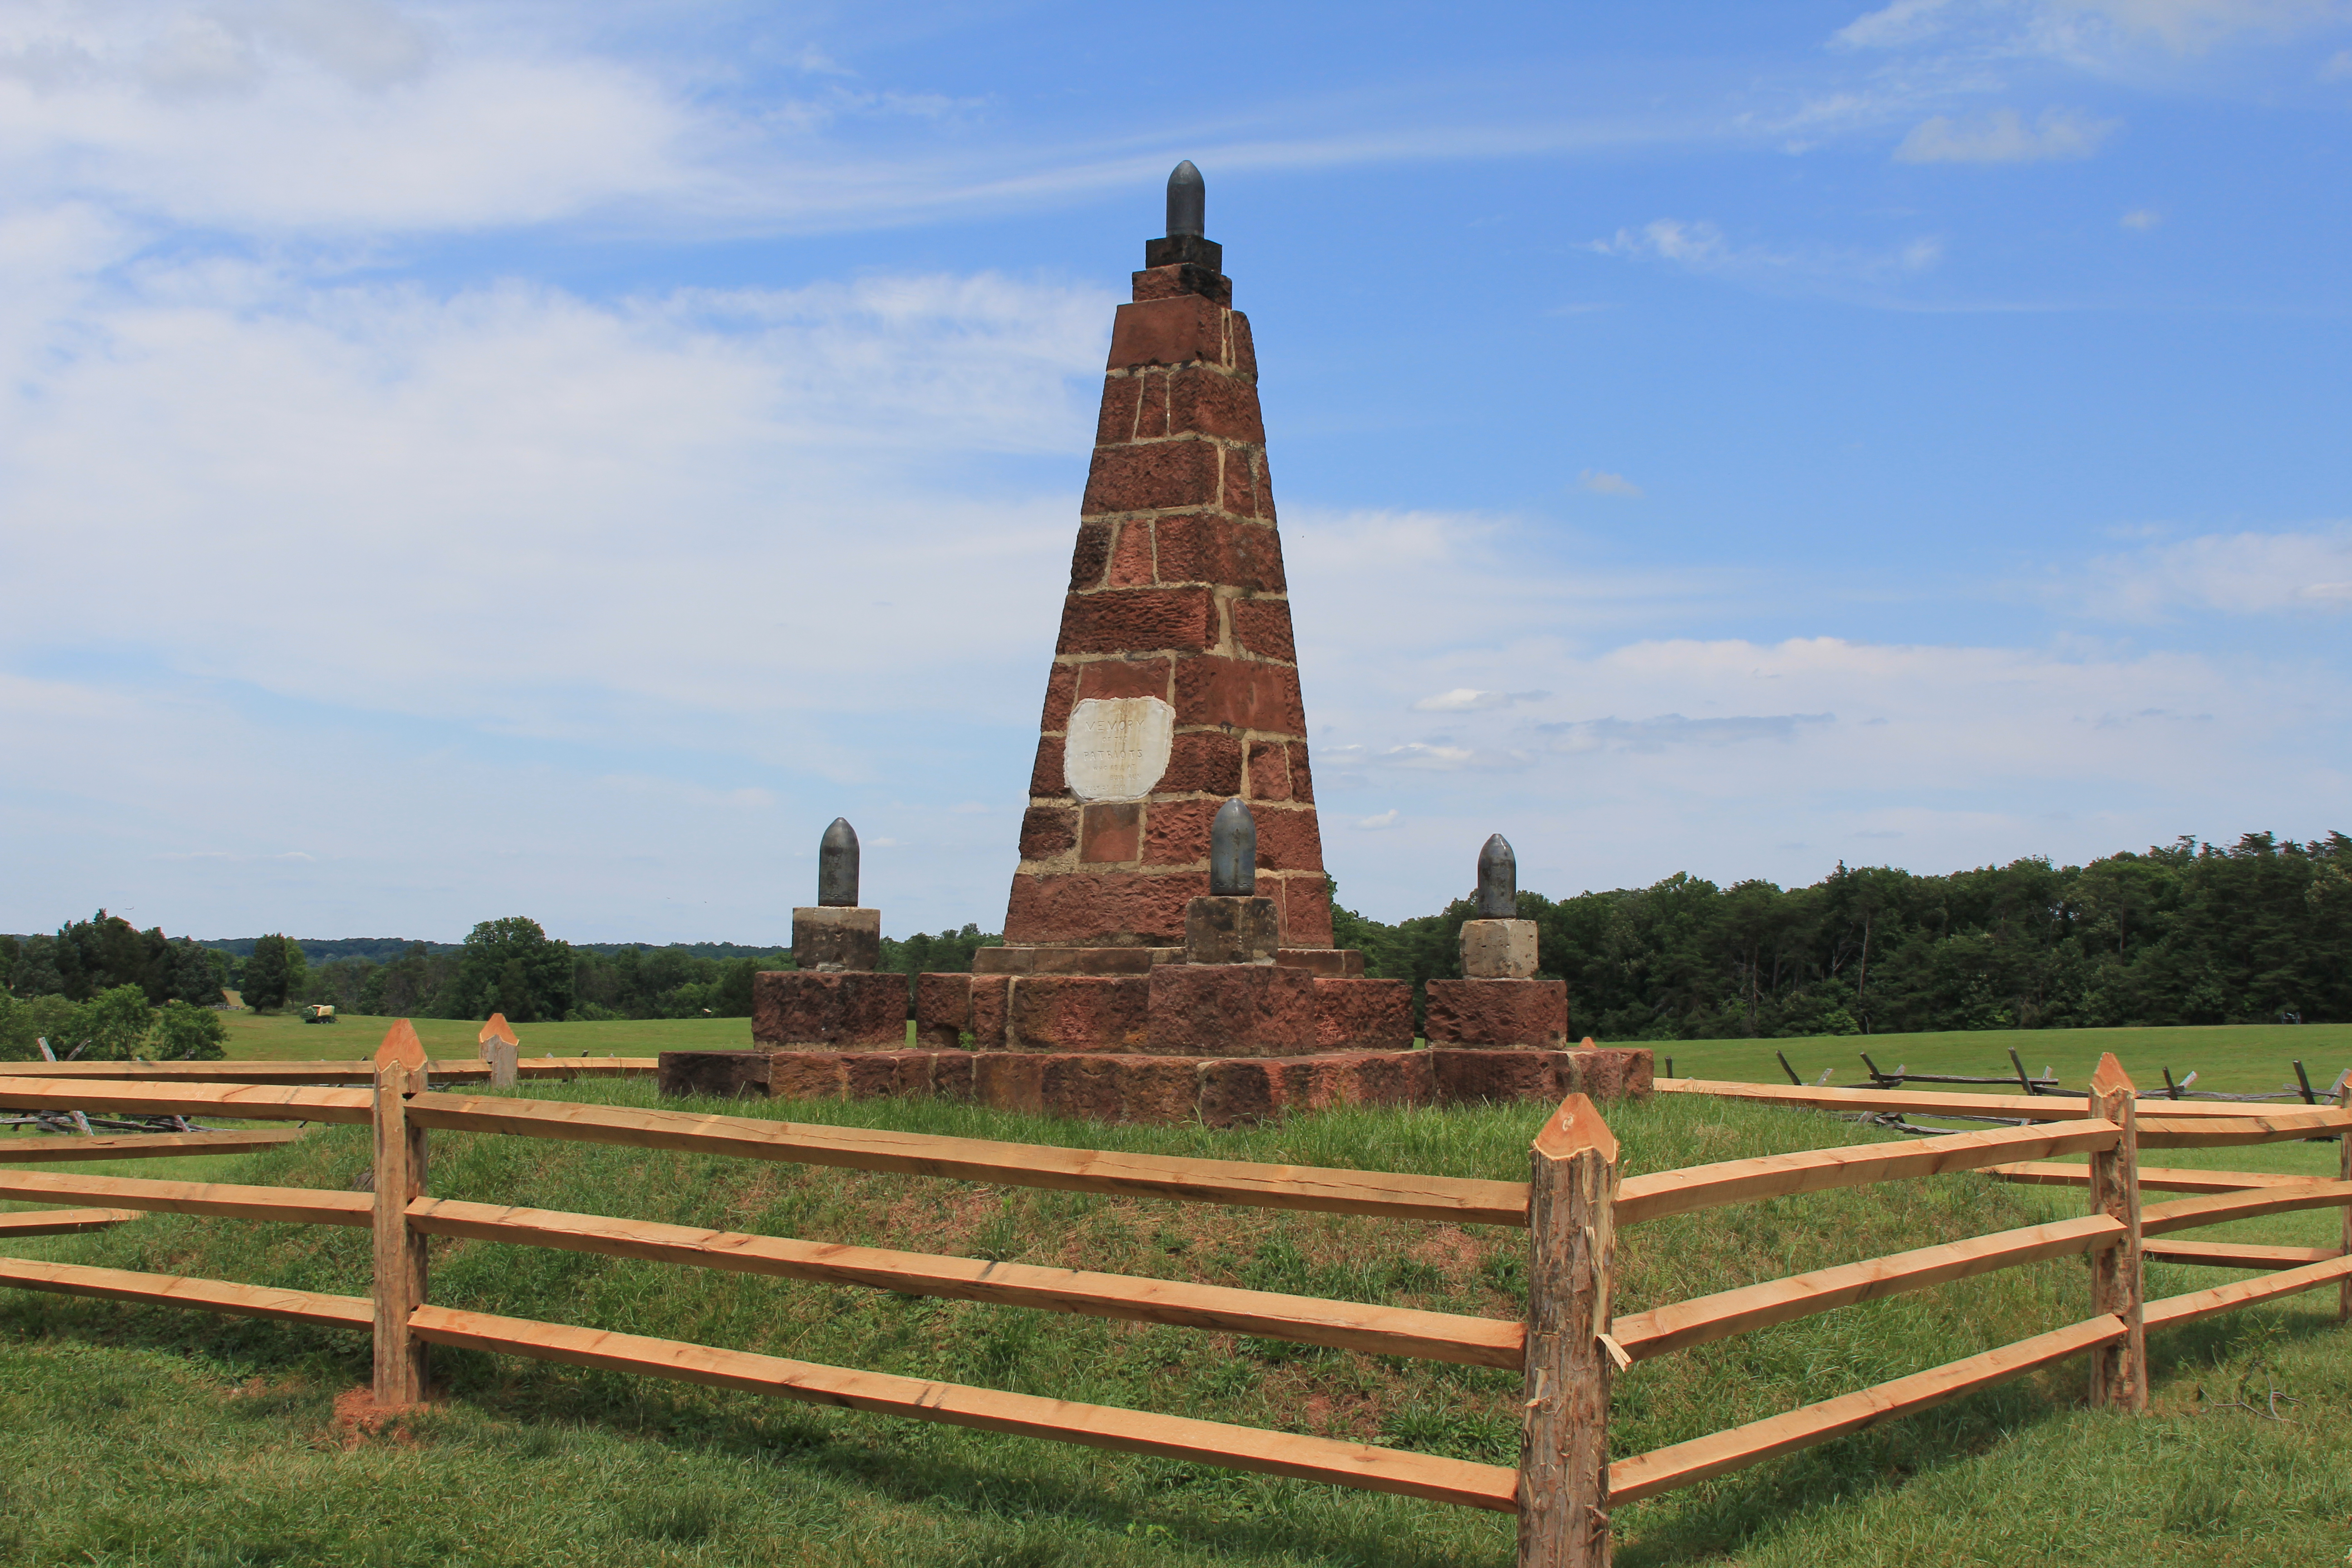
(848, 1011)
(1176, 1009)
(1529, 1013)
(1220, 1091)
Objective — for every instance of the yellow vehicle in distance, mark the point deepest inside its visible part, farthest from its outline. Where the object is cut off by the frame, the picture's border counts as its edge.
(319, 1012)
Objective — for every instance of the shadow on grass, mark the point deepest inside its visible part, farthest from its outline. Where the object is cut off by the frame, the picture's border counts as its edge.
(1711, 1524)
(525, 1408)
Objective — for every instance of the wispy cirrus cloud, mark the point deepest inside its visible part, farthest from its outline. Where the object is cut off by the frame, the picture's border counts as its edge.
(2002, 136)
(2234, 573)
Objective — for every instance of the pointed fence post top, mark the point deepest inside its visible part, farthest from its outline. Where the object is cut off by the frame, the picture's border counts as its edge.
(2109, 1076)
(401, 1046)
(1575, 1128)
(498, 1029)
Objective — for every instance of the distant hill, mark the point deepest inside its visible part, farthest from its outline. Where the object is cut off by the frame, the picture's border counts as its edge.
(322, 950)
(384, 948)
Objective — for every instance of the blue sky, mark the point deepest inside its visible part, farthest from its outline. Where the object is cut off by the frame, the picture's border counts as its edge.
(459, 461)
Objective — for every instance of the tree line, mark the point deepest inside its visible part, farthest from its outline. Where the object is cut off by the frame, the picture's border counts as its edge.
(509, 965)
(2186, 933)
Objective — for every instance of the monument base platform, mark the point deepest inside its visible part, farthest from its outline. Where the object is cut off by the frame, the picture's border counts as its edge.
(1220, 1091)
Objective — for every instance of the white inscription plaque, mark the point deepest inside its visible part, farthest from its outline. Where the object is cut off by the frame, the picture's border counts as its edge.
(1118, 747)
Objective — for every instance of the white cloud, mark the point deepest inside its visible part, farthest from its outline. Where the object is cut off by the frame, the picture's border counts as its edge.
(2338, 67)
(2238, 574)
(2088, 32)
(1375, 824)
(1602, 483)
(2002, 137)
(2141, 219)
(1701, 247)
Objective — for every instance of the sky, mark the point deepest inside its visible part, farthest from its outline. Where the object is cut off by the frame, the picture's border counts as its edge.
(460, 461)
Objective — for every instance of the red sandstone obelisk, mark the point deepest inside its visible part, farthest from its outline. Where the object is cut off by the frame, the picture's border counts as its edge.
(1174, 685)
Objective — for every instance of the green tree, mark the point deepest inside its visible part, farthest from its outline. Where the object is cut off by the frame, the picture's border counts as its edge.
(511, 966)
(185, 1033)
(273, 971)
(108, 1028)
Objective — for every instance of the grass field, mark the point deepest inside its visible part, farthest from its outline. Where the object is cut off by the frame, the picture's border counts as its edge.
(139, 1434)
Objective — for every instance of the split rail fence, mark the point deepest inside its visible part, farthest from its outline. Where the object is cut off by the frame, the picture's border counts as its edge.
(1568, 1348)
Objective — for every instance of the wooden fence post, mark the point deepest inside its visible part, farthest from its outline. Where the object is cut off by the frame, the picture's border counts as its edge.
(2344, 1170)
(399, 1249)
(502, 1050)
(1564, 1433)
(2118, 1370)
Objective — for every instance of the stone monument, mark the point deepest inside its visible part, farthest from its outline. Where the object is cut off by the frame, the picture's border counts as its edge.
(1167, 946)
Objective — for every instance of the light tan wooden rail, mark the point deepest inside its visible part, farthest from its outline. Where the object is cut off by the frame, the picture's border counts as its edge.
(452, 1070)
(1232, 1182)
(2151, 1177)
(2028, 1107)
(1817, 1170)
(1347, 1325)
(1720, 1316)
(44, 1151)
(61, 1222)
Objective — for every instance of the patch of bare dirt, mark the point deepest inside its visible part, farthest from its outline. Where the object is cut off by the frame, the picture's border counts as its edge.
(358, 1418)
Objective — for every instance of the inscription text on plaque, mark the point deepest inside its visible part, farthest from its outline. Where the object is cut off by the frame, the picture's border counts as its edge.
(1118, 747)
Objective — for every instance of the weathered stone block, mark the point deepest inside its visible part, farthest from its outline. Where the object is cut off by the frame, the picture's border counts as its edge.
(1113, 833)
(1134, 620)
(1227, 929)
(942, 1010)
(1206, 548)
(1491, 1013)
(1323, 962)
(1288, 838)
(1076, 1012)
(1159, 1088)
(1009, 1080)
(721, 1075)
(1306, 906)
(1232, 1010)
(1359, 1015)
(1262, 628)
(1178, 329)
(1498, 950)
(850, 1011)
(990, 994)
(828, 941)
(1237, 1091)
(1183, 472)
(1112, 678)
(1243, 693)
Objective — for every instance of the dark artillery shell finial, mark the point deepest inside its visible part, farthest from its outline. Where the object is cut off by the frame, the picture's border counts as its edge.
(1233, 852)
(1499, 881)
(1187, 202)
(836, 866)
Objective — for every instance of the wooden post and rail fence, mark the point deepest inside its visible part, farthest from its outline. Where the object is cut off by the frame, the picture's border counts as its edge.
(1569, 1347)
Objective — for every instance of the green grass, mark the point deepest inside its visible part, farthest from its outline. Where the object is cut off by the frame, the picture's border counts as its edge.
(2238, 1057)
(146, 1435)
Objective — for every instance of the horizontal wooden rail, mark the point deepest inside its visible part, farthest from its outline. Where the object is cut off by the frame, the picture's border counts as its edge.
(1817, 1170)
(248, 1101)
(2152, 1178)
(173, 1291)
(1094, 1425)
(1751, 1307)
(43, 1150)
(2030, 1108)
(1380, 1331)
(1719, 1453)
(61, 1222)
(1399, 1196)
(2169, 1132)
(292, 1205)
(2239, 1293)
(2188, 1213)
(455, 1070)
(2236, 1254)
